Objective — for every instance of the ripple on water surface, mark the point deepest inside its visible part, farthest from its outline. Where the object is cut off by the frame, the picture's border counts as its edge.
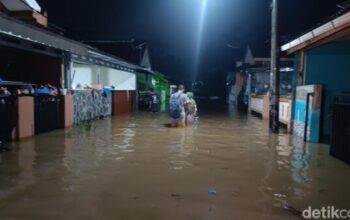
(128, 167)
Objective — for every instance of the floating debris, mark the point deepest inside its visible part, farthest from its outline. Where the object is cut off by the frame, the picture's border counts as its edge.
(176, 196)
(278, 195)
(212, 192)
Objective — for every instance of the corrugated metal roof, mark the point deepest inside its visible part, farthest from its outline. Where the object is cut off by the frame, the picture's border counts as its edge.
(17, 29)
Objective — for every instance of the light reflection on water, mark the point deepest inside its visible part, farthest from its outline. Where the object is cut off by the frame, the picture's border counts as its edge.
(135, 167)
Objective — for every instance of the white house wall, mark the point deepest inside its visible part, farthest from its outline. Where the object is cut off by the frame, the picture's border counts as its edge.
(88, 74)
(121, 80)
(84, 74)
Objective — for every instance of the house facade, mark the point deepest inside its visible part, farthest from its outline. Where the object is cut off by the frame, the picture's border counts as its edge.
(321, 59)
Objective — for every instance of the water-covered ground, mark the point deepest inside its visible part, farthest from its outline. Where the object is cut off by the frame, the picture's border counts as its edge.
(135, 167)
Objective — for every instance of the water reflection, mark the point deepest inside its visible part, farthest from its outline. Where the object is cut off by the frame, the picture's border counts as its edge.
(22, 167)
(129, 167)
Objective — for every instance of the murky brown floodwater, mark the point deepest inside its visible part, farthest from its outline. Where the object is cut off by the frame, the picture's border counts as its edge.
(133, 167)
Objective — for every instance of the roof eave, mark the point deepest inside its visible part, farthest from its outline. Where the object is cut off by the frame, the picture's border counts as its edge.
(318, 34)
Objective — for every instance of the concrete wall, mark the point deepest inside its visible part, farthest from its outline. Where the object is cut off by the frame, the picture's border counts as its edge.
(89, 105)
(84, 74)
(329, 65)
(121, 80)
(88, 74)
(123, 102)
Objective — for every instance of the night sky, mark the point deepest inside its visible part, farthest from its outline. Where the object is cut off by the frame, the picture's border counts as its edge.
(172, 28)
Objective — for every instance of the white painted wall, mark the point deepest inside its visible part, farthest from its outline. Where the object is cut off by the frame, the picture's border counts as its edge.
(285, 110)
(257, 104)
(121, 80)
(88, 74)
(84, 74)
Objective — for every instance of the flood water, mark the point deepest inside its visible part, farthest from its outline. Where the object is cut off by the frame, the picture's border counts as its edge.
(134, 167)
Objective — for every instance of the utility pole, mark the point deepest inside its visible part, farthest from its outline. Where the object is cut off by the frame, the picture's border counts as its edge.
(275, 70)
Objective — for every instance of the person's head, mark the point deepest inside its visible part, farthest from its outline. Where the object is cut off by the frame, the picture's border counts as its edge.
(190, 95)
(181, 88)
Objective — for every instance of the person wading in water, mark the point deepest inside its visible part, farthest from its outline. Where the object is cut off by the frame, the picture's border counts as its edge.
(177, 107)
(191, 111)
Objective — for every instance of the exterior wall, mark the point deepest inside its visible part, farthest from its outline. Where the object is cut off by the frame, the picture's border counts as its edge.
(68, 111)
(285, 109)
(84, 74)
(257, 104)
(89, 105)
(25, 117)
(121, 80)
(88, 74)
(329, 65)
(123, 102)
(261, 104)
(308, 113)
(17, 118)
(143, 83)
(162, 88)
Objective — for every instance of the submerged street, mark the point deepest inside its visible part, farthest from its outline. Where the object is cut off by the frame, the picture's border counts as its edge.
(174, 110)
(136, 167)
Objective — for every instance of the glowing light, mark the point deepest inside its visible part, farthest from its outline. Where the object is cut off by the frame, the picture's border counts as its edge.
(204, 4)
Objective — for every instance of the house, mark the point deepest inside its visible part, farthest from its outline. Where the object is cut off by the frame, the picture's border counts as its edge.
(253, 78)
(31, 56)
(321, 75)
(138, 54)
